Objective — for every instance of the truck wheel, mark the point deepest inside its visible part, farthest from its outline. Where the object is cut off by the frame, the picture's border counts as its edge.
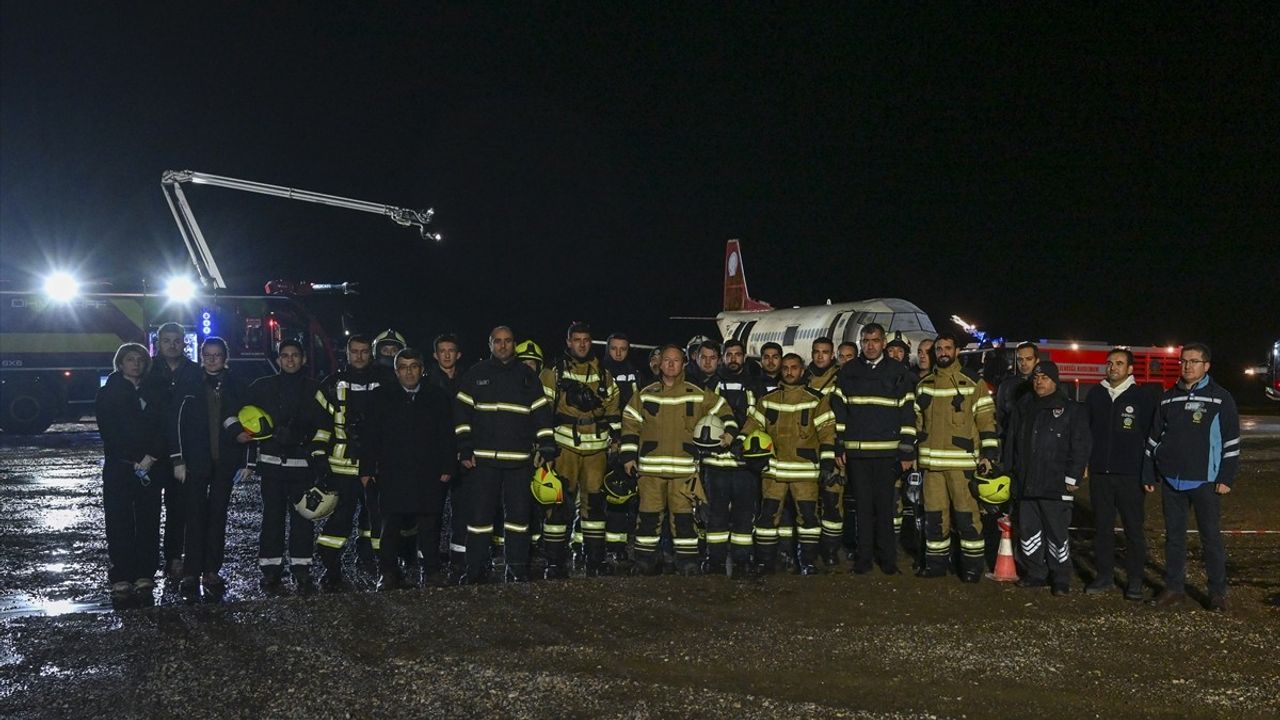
(26, 409)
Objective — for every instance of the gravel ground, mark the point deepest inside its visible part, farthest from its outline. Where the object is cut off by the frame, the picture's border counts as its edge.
(663, 647)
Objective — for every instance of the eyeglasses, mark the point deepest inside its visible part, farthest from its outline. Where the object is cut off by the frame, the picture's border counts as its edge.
(1190, 361)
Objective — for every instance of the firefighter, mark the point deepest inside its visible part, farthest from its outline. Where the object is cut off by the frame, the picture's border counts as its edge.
(618, 363)
(1047, 449)
(955, 435)
(586, 422)
(1016, 386)
(620, 514)
(655, 355)
(283, 462)
(501, 415)
(898, 350)
(770, 367)
(875, 422)
(924, 357)
(802, 426)
(409, 447)
(732, 488)
(846, 352)
(657, 432)
(530, 353)
(445, 375)
(207, 448)
(385, 346)
(168, 368)
(702, 366)
(346, 398)
(821, 373)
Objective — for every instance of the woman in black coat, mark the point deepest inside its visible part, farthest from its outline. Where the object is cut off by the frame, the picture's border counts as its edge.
(409, 452)
(132, 439)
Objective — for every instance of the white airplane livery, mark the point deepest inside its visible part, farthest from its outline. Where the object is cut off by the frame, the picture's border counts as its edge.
(756, 323)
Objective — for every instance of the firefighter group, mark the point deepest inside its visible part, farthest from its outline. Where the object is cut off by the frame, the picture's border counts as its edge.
(700, 461)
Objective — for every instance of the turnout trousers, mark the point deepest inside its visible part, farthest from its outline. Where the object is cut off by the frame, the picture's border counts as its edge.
(731, 513)
(875, 484)
(133, 522)
(946, 492)
(175, 509)
(833, 518)
(1042, 539)
(206, 527)
(1207, 505)
(583, 478)
(493, 489)
(458, 518)
(675, 497)
(1107, 494)
(281, 488)
(336, 532)
(775, 496)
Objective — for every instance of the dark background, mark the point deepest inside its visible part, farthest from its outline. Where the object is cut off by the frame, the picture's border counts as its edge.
(1109, 174)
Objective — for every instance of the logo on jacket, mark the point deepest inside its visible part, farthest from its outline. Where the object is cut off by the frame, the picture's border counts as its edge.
(1057, 412)
(1128, 408)
(1197, 416)
(482, 382)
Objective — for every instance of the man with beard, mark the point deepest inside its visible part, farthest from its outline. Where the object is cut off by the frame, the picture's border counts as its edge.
(702, 366)
(770, 367)
(283, 461)
(1016, 386)
(955, 435)
(167, 371)
(587, 420)
(821, 373)
(732, 488)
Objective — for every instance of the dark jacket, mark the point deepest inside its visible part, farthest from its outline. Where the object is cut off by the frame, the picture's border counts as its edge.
(449, 385)
(1196, 435)
(161, 383)
(1008, 393)
(408, 445)
(874, 409)
(501, 414)
(1048, 446)
(290, 400)
(1120, 428)
(130, 420)
(194, 424)
(628, 378)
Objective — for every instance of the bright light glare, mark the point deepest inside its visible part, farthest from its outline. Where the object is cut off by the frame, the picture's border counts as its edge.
(180, 289)
(61, 286)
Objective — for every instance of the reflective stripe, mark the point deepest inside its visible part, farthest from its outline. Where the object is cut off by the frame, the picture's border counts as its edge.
(551, 529)
(508, 407)
(615, 537)
(718, 537)
(946, 392)
(766, 533)
(664, 400)
(466, 399)
(871, 444)
(685, 542)
(299, 561)
(629, 447)
(944, 452)
(283, 462)
(331, 541)
(809, 532)
(480, 530)
(832, 525)
(983, 402)
(648, 540)
(454, 547)
(500, 455)
(461, 429)
(740, 538)
(267, 562)
(872, 400)
(788, 407)
(592, 524)
(322, 436)
(513, 527)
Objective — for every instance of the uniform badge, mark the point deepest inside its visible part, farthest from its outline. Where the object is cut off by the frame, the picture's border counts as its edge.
(1057, 412)
(482, 382)
(1197, 416)
(1128, 408)
(1196, 406)
(1128, 423)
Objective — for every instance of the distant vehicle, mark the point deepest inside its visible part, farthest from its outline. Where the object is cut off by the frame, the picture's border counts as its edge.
(55, 354)
(1273, 372)
(755, 323)
(56, 346)
(1083, 364)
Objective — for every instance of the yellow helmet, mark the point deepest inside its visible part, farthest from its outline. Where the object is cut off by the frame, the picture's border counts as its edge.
(994, 487)
(757, 445)
(619, 487)
(256, 421)
(546, 486)
(529, 350)
(317, 503)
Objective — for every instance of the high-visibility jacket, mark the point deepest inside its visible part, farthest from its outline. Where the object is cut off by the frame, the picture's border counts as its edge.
(657, 427)
(740, 391)
(803, 428)
(347, 397)
(501, 415)
(955, 420)
(584, 431)
(875, 411)
(824, 381)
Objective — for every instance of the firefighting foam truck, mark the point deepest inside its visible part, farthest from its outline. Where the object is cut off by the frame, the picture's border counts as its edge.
(57, 344)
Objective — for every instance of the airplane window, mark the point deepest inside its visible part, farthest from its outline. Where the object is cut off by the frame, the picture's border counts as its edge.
(925, 323)
(905, 322)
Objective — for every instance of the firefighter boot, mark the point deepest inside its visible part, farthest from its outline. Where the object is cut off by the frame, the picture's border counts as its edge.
(333, 580)
(302, 581)
(805, 559)
(271, 580)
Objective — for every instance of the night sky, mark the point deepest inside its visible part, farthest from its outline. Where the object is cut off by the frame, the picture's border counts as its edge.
(1106, 175)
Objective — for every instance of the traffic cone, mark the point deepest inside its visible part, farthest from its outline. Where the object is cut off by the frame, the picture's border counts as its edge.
(1006, 570)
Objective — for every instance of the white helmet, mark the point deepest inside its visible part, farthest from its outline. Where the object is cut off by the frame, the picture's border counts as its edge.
(706, 434)
(317, 504)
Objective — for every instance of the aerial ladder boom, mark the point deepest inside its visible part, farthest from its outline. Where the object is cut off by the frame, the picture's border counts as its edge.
(207, 267)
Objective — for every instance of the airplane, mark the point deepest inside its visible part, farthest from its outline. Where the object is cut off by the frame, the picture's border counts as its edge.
(755, 322)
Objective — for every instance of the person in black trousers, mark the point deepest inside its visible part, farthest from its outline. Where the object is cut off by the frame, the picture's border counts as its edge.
(409, 453)
(1120, 414)
(207, 447)
(167, 368)
(130, 425)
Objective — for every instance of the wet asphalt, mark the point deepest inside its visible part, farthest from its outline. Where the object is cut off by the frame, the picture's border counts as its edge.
(831, 646)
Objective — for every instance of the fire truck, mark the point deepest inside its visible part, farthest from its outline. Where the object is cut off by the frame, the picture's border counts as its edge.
(57, 344)
(1083, 364)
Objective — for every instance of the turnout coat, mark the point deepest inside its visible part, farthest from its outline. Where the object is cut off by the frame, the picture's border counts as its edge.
(408, 445)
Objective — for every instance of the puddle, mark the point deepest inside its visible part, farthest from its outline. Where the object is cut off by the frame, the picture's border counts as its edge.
(24, 605)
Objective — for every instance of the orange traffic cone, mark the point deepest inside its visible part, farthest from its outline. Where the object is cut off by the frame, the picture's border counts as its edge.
(1006, 570)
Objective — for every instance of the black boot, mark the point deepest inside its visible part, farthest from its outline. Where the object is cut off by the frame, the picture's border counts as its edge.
(302, 579)
(272, 583)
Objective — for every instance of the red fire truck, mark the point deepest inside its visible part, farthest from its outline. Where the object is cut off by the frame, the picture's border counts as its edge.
(1083, 364)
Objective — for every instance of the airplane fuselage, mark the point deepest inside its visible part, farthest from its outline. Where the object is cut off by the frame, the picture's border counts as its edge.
(795, 329)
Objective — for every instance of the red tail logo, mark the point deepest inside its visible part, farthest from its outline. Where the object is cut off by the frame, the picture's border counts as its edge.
(736, 297)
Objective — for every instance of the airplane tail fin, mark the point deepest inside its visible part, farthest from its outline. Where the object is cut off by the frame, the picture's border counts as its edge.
(736, 296)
